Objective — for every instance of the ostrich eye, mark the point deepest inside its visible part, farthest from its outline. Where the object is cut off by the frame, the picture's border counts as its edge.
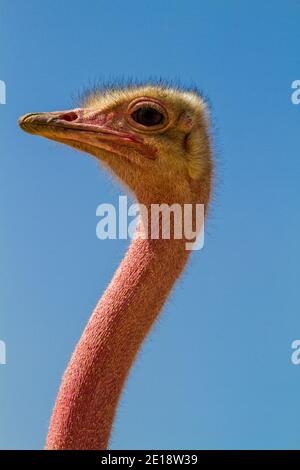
(147, 116)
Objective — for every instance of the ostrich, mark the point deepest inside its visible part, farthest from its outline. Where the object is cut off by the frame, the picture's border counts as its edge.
(155, 139)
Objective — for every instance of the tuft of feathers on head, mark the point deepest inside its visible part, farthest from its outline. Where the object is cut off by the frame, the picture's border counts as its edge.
(106, 87)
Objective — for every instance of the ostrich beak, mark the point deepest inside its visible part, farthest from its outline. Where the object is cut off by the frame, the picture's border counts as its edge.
(83, 129)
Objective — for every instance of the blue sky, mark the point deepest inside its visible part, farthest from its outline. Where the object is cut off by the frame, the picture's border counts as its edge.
(216, 371)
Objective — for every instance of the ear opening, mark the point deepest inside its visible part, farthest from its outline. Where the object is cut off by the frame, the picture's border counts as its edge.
(185, 121)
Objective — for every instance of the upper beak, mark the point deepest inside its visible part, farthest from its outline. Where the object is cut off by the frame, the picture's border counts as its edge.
(67, 123)
(82, 126)
(34, 123)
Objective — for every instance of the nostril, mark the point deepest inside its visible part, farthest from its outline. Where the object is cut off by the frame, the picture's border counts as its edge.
(71, 116)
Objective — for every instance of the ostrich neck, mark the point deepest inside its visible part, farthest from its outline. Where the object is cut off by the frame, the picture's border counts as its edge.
(92, 384)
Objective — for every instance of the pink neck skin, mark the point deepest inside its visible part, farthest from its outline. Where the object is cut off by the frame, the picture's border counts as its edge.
(93, 381)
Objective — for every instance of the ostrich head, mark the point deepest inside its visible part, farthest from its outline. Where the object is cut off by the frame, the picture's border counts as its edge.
(153, 138)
